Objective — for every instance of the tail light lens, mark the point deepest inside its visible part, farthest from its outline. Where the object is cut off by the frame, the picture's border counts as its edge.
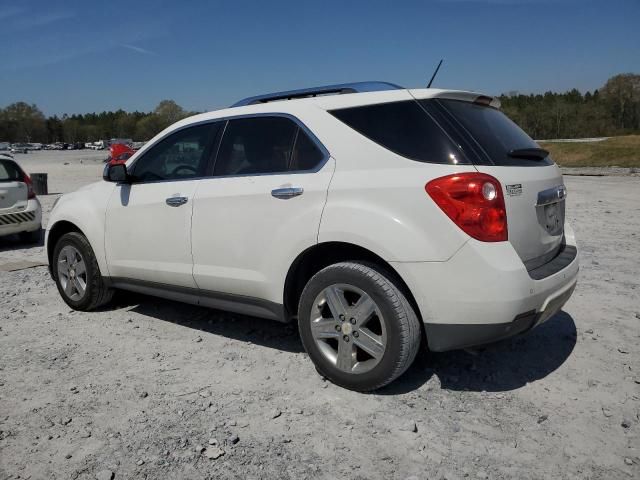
(475, 203)
(30, 193)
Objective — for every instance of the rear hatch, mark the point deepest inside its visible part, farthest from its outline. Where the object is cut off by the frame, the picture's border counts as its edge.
(13, 191)
(465, 129)
(532, 184)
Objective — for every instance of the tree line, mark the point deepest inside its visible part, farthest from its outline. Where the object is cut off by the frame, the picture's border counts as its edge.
(611, 110)
(22, 122)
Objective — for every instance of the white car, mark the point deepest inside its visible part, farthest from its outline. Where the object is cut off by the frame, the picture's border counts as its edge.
(20, 210)
(373, 215)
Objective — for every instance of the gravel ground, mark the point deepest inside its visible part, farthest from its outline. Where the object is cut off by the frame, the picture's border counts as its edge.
(149, 388)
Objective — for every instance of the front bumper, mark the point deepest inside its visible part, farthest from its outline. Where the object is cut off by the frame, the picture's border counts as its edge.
(28, 219)
(484, 293)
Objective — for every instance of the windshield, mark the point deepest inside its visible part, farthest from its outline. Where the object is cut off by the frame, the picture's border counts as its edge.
(494, 132)
(10, 172)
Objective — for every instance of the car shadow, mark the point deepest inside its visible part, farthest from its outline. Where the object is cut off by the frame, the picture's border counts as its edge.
(266, 333)
(125, 193)
(499, 367)
(10, 243)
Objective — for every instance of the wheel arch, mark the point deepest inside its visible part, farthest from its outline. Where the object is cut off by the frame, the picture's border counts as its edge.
(58, 229)
(321, 255)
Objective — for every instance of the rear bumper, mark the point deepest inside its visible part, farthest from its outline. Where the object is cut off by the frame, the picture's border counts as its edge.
(443, 337)
(484, 293)
(28, 219)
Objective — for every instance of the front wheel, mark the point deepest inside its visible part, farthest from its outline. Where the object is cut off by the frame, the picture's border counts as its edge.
(77, 273)
(357, 326)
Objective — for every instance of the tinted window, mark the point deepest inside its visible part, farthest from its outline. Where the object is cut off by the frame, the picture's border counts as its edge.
(404, 128)
(181, 155)
(494, 132)
(124, 156)
(10, 172)
(256, 145)
(306, 154)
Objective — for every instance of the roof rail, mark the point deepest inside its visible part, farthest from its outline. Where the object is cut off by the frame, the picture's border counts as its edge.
(337, 89)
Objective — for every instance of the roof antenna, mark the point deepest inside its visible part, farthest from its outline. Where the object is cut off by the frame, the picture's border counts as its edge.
(435, 73)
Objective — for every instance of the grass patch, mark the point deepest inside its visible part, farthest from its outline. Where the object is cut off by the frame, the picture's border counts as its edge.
(613, 152)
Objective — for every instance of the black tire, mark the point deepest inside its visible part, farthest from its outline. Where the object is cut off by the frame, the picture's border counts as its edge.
(31, 237)
(96, 293)
(402, 325)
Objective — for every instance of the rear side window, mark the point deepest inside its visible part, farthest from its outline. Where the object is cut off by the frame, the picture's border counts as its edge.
(256, 145)
(306, 154)
(404, 128)
(10, 172)
(494, 132)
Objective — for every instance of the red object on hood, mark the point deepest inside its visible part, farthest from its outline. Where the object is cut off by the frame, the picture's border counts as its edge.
(119, 153)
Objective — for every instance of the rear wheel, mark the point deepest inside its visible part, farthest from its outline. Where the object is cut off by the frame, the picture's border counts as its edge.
(77, 273)
(357, 326)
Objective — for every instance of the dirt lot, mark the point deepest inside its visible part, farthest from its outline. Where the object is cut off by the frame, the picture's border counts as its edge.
(138, 390)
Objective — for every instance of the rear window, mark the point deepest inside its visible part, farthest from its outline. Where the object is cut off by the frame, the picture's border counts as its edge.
(404, 128)
(494, 132)
(10, 172)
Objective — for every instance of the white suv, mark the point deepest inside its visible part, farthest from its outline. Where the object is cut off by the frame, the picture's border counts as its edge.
(374, 215)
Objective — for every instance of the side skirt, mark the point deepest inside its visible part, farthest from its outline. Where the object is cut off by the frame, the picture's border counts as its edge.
(244, 305)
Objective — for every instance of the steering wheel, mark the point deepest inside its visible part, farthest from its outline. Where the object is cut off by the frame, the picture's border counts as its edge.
(184, 167)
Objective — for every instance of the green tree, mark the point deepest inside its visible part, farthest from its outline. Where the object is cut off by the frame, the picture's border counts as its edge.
(622, 93)
(148, 127)
(23, 123)
(169, 112)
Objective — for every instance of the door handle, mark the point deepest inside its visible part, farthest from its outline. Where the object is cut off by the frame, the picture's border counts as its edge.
(176, 201)
(288, 192)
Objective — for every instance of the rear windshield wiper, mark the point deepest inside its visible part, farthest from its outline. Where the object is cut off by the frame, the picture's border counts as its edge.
(530, 153)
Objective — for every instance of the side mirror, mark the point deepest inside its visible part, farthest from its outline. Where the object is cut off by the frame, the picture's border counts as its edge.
(116, 173)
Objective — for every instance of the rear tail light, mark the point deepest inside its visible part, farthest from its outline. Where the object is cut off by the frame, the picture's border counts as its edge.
(475, 203)
(30, 193)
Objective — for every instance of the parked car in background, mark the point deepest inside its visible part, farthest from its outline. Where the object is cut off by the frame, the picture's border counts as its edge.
(119, 153)
(20, 210)
(125, 141)
(99, 145)
(373, 215)
(5, 146)
(19, 148)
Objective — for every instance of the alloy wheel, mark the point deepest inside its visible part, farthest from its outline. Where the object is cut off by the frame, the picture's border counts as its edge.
(348, 328)
(72, 272)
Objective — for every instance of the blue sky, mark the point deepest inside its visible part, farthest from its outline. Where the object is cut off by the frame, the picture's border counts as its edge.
(83, 56)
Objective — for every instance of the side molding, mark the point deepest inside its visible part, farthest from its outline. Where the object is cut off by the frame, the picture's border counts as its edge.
(241, 304)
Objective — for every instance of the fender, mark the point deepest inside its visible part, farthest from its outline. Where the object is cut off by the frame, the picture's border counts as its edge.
(389, 213)
(86, 209)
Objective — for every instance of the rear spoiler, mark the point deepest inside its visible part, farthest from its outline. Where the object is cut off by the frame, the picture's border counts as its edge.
(472, 97)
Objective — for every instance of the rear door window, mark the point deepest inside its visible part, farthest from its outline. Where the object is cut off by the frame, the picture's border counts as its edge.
(493, 131)
(256, 145)
(404, 128)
